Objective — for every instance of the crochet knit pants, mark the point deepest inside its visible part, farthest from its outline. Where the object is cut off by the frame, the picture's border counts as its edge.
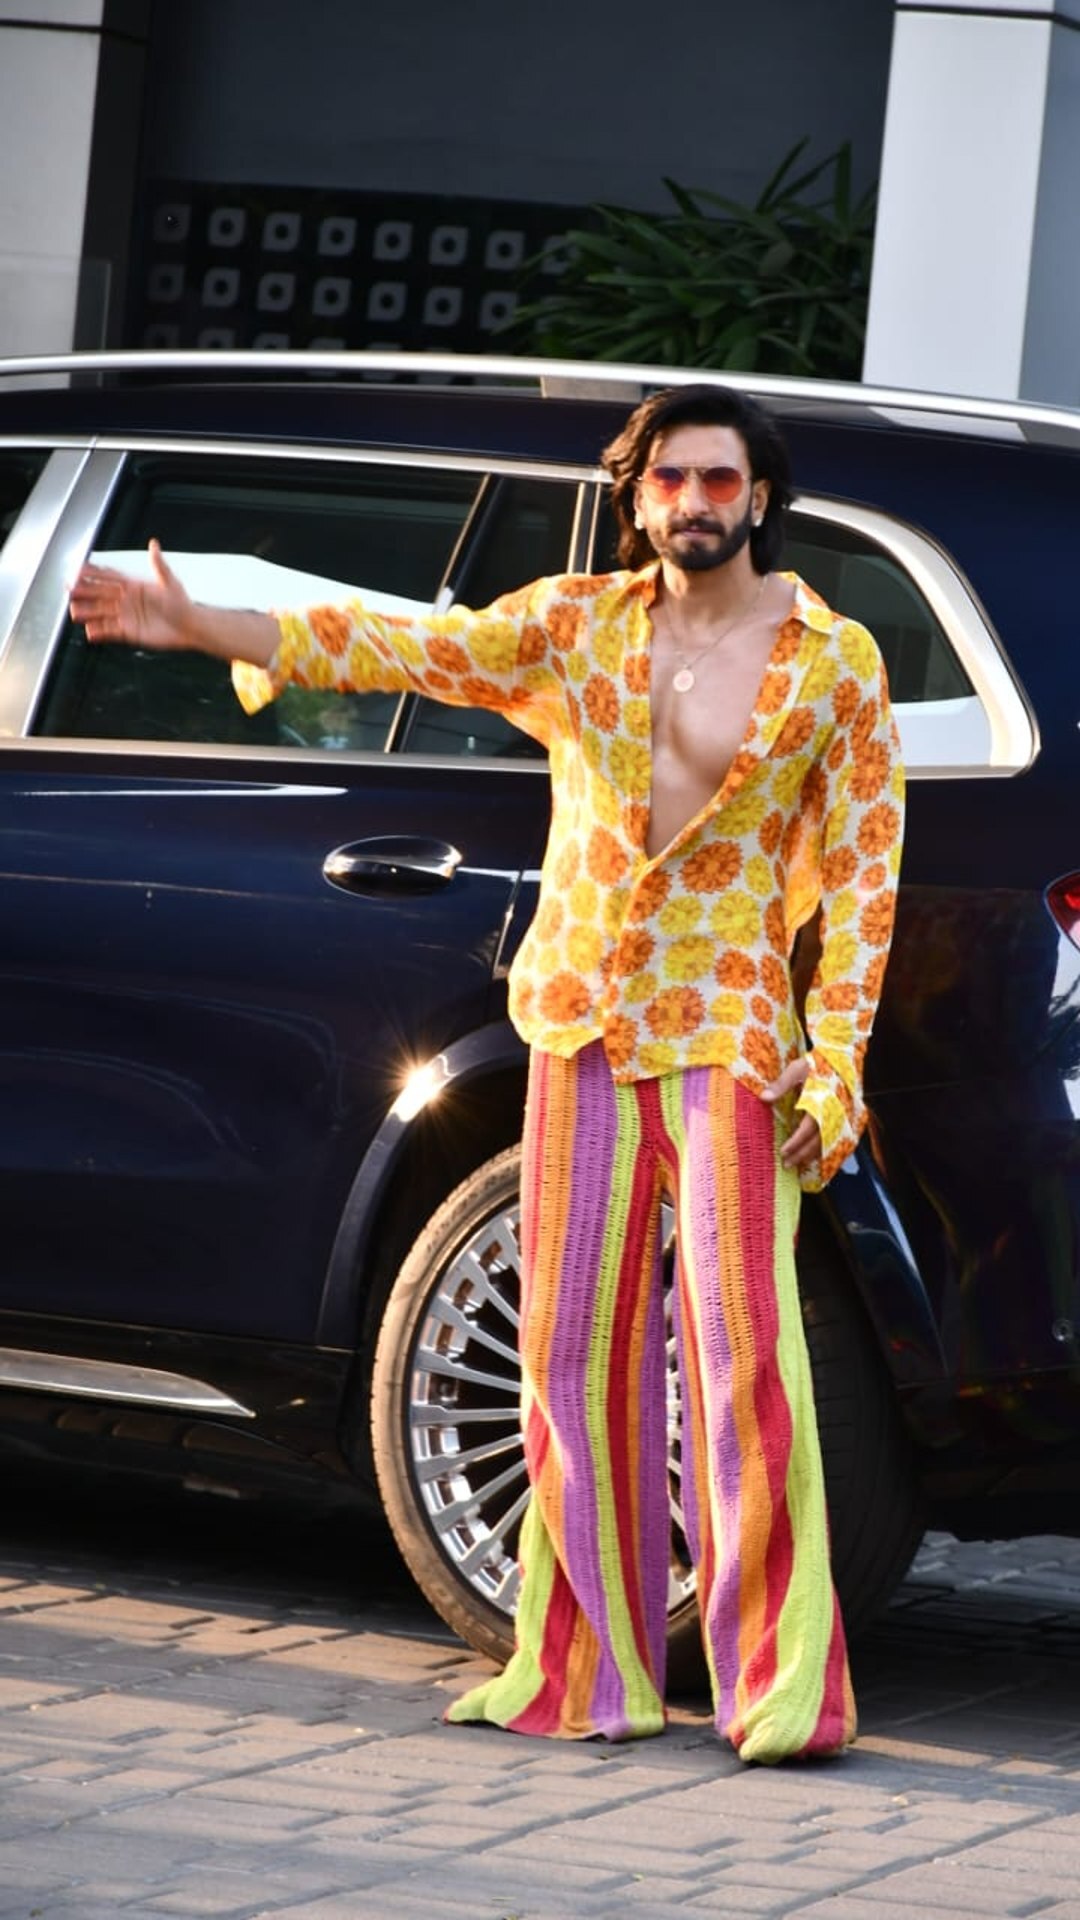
(595, 1541)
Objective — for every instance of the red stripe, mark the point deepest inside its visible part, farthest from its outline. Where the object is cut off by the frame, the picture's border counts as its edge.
(543, 1713)
(756, 1163)
(696, 1463)
(832, 1729)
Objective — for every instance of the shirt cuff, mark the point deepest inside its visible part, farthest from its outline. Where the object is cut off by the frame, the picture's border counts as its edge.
(826, 1098)
(256, 687)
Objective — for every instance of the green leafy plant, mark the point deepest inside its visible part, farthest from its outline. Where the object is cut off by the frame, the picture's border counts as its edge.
(779, 287)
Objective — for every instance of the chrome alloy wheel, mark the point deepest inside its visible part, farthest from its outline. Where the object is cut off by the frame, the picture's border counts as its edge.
(464, 1437)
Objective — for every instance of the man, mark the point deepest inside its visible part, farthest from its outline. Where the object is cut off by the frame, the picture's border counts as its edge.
(723, 760)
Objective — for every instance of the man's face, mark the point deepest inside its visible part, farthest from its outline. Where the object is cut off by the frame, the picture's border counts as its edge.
(689, 528)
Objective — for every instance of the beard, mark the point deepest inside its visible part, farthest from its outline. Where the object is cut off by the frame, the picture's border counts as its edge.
(726, 544)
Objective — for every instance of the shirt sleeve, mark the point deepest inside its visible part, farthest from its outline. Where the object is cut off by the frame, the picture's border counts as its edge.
(861, 844)
(496, 657)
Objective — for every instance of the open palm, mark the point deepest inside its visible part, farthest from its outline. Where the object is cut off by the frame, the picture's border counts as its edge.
(146, 613)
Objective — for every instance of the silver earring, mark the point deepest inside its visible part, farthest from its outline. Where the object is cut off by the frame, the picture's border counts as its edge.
(638, 522)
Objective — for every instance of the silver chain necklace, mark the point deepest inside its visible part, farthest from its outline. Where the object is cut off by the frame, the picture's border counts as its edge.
(683, 681)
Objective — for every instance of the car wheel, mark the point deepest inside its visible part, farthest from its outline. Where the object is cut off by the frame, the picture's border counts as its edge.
(447, 1438)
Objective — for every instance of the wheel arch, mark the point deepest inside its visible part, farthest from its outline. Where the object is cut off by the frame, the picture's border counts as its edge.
(474, 1108)
(856, 1219)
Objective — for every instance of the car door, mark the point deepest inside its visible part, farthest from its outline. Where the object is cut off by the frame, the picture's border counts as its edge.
(226, 941)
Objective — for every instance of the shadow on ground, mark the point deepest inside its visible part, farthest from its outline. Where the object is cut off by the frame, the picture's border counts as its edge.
(977, 1658)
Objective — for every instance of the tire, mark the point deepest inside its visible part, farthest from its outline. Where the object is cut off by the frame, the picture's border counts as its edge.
(876, 1517)
(447, 1441)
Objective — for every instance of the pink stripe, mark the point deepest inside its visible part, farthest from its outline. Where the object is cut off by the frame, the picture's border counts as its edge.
(706, 1199)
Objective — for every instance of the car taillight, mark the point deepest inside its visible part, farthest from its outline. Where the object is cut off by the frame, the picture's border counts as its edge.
(1063, 900)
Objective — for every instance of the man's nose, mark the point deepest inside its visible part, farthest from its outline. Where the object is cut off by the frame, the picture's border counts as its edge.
(694, 494)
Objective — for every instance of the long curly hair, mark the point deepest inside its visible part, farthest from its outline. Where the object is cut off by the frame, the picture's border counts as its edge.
(700, 405)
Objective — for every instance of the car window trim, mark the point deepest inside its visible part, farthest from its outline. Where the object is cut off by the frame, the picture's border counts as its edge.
(49, 442)
(1014, 736)
(40, 619)
(284, 763)
(32, 529)
(391, 456)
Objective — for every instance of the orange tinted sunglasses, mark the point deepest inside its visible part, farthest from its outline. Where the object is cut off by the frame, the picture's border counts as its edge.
(720, 484)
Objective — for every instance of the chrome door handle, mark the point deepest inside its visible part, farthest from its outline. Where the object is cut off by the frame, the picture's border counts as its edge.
(394, 861)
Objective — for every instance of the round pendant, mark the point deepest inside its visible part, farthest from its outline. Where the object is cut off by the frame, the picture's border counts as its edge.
(683, 680)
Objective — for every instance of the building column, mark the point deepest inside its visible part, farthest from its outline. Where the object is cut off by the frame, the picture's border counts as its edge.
(71, 95)
(976, 273)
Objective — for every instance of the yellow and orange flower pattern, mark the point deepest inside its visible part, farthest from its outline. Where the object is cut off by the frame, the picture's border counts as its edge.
(681, 959)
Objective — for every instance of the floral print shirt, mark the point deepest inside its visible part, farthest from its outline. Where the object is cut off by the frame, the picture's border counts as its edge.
(681, 959)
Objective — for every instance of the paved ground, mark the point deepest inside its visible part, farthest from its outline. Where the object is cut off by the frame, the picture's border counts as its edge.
(214, 1711)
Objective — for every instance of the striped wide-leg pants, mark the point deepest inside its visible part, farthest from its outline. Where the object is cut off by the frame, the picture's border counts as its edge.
(591, 1622)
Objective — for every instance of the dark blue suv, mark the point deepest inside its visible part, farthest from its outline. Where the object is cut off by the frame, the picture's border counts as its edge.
(260, 1098)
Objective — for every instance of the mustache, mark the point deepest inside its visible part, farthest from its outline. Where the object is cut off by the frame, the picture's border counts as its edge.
(697, 525)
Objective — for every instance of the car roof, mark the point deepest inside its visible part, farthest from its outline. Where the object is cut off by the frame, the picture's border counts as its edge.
(466, 402)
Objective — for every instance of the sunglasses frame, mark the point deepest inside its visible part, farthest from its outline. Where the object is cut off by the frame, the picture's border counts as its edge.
(670, 490)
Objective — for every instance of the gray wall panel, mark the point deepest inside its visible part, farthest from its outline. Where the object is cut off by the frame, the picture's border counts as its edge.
(566, 102)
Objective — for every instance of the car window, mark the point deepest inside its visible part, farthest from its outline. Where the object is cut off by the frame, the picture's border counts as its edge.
(524, 533)
(19, 468)
(265, 532)
(853, 575)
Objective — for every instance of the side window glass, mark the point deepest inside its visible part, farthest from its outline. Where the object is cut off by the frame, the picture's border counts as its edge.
(858, 579)
(258, 531)
(19, 468)
(524, 532)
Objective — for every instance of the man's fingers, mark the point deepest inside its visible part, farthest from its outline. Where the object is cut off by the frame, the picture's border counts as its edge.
(101, 605)
(793, 1075)
(804, 1145)
(162, 573)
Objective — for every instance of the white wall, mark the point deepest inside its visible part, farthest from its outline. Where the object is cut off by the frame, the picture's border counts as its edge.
(976, 274)
(1050, 368)
(47, 85)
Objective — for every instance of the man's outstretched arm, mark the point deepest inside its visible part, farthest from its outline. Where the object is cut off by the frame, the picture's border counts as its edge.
(159, 613)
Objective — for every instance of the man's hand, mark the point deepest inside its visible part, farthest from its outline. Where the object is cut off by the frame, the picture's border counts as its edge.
(803, 1146)
(145, 613)
(160, 613)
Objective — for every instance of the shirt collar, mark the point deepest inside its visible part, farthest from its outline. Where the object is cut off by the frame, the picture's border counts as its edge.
(809, 608)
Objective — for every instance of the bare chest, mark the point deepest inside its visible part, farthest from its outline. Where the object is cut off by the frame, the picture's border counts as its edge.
(701, 709)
